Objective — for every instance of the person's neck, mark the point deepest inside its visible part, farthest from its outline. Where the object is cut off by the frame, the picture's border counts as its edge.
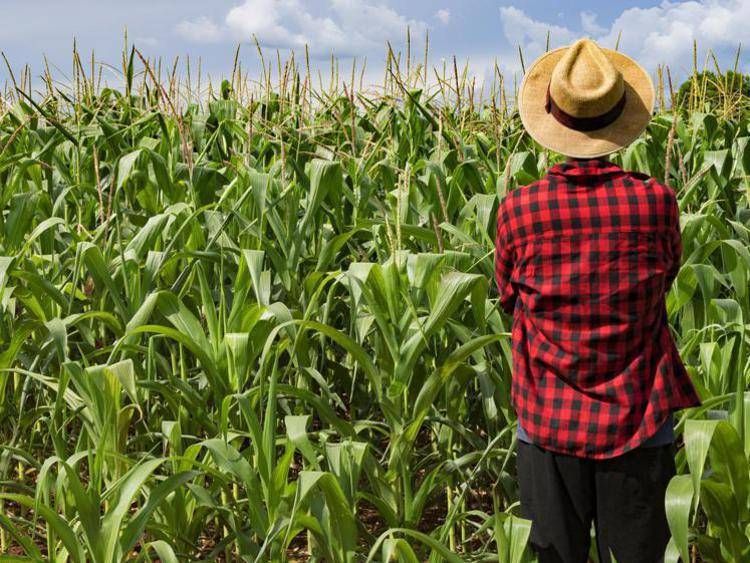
(573, 160)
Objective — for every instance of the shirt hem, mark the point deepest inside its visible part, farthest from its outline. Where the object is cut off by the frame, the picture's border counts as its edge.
(616, 452)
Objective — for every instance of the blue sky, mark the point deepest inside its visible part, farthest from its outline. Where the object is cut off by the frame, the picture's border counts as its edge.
(481, 31)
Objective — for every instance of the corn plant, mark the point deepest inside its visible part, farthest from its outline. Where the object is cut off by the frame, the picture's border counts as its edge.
(257, 322)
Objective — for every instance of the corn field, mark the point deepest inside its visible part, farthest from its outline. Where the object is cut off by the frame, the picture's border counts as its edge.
(257, 322)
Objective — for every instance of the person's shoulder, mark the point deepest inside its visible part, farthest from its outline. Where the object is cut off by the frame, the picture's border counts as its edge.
(659, 199)
(652, 186)
(521, 194)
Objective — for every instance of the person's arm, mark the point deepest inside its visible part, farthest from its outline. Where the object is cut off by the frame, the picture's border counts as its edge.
(504, 263)
(675, 243)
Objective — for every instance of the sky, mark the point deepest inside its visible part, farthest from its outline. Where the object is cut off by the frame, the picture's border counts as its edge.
(479, 31)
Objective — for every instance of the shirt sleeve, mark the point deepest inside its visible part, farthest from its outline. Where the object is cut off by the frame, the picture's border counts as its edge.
(504, 263)
(675, 242)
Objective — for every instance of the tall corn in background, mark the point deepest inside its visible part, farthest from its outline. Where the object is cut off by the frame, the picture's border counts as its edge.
(256, 321)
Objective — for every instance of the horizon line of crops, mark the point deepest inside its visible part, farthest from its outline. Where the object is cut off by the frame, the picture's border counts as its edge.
(402, 70)
(262, 326)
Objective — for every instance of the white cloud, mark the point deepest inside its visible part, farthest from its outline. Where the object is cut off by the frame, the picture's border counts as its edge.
(662, 34)
(369, 25)
(201, 30)
(531, 34)
(665, 33)
(590, 25)
(276, 22)
(345, 27)
(443, 16)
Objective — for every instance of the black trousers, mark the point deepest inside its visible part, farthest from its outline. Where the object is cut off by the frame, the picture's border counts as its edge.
(623, 496)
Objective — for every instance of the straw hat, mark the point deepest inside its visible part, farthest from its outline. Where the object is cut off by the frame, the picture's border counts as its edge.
(584, 101)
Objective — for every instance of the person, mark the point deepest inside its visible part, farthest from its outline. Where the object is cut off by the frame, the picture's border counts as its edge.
(583, 260)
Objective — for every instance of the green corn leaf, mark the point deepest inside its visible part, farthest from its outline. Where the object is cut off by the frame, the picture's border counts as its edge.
(61, 528)
(679, 501)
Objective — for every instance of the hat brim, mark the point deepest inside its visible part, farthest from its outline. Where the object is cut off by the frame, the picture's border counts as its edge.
(551, 134)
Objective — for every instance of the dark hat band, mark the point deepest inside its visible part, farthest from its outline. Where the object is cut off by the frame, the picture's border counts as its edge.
(584, 123)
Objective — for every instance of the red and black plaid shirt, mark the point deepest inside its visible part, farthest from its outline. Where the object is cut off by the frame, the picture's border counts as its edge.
(584, 258)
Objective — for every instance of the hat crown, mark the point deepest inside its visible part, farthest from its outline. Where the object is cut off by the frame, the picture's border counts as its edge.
(585, 83)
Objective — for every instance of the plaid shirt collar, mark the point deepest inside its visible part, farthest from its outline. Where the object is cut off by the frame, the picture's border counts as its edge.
(585, 167)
